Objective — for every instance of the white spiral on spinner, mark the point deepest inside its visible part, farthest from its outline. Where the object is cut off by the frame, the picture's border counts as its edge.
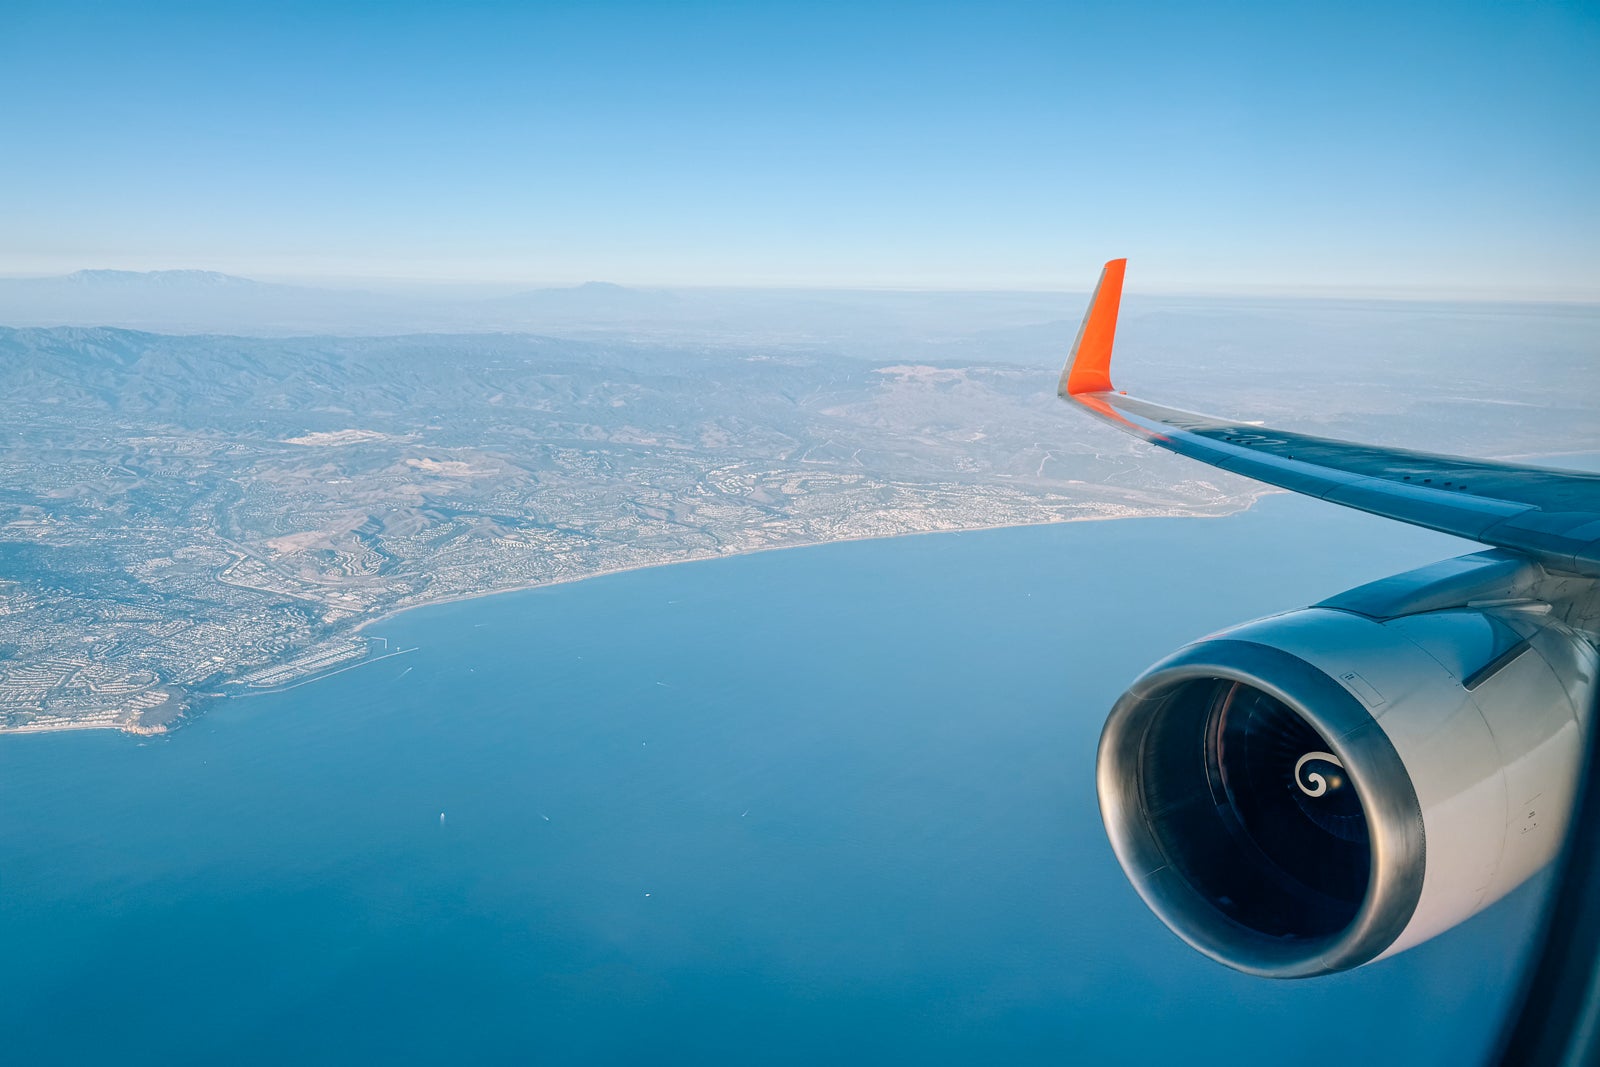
(1314, 784)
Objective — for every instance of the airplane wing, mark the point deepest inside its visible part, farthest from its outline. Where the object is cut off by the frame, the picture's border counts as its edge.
(1548, 514)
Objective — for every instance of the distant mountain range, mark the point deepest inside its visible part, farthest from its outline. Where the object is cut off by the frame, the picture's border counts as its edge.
(184, 301)
(196, 301)
(1028, 328)
(166, 279)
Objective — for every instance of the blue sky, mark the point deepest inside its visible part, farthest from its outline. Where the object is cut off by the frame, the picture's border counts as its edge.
(1427, 148)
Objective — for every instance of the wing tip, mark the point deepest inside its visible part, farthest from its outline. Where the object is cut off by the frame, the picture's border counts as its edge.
(1088, 368)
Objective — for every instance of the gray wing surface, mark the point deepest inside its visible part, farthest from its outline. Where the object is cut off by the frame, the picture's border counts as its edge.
(1548, 514)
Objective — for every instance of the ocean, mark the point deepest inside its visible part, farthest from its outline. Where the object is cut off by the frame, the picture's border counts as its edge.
(831, 804)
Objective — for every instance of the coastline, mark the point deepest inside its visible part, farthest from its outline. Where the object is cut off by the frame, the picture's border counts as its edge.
(133, 729)
(709, 556)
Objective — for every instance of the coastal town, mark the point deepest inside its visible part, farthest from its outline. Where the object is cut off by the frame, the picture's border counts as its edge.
(191, 518)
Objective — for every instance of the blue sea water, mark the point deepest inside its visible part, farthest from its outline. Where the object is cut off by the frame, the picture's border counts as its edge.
(829, 804)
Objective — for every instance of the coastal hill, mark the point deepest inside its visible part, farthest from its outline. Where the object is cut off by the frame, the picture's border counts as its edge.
(191, 514)
(187, 516)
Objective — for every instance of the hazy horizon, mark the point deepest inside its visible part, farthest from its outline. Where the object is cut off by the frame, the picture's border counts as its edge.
(488, 286)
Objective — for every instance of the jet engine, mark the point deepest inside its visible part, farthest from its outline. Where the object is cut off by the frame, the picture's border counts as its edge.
(1312, 791)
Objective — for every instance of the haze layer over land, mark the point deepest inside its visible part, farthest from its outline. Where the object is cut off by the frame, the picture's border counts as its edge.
(187, 515)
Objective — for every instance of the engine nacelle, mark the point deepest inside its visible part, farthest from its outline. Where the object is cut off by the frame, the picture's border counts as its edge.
(1309, 792)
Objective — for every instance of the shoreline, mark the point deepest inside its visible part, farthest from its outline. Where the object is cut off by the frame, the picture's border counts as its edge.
(223, 697)
(455, 598)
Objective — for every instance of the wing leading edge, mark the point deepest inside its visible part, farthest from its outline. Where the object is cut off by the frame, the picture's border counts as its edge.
(1549, 514)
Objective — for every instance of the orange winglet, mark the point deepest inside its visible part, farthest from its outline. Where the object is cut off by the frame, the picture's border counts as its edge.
(1088, 369)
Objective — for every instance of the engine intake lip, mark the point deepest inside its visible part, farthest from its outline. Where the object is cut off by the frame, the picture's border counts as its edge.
(1394, 817)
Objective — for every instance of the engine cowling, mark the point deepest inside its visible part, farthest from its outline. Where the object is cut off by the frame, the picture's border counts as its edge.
(1309, 792)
